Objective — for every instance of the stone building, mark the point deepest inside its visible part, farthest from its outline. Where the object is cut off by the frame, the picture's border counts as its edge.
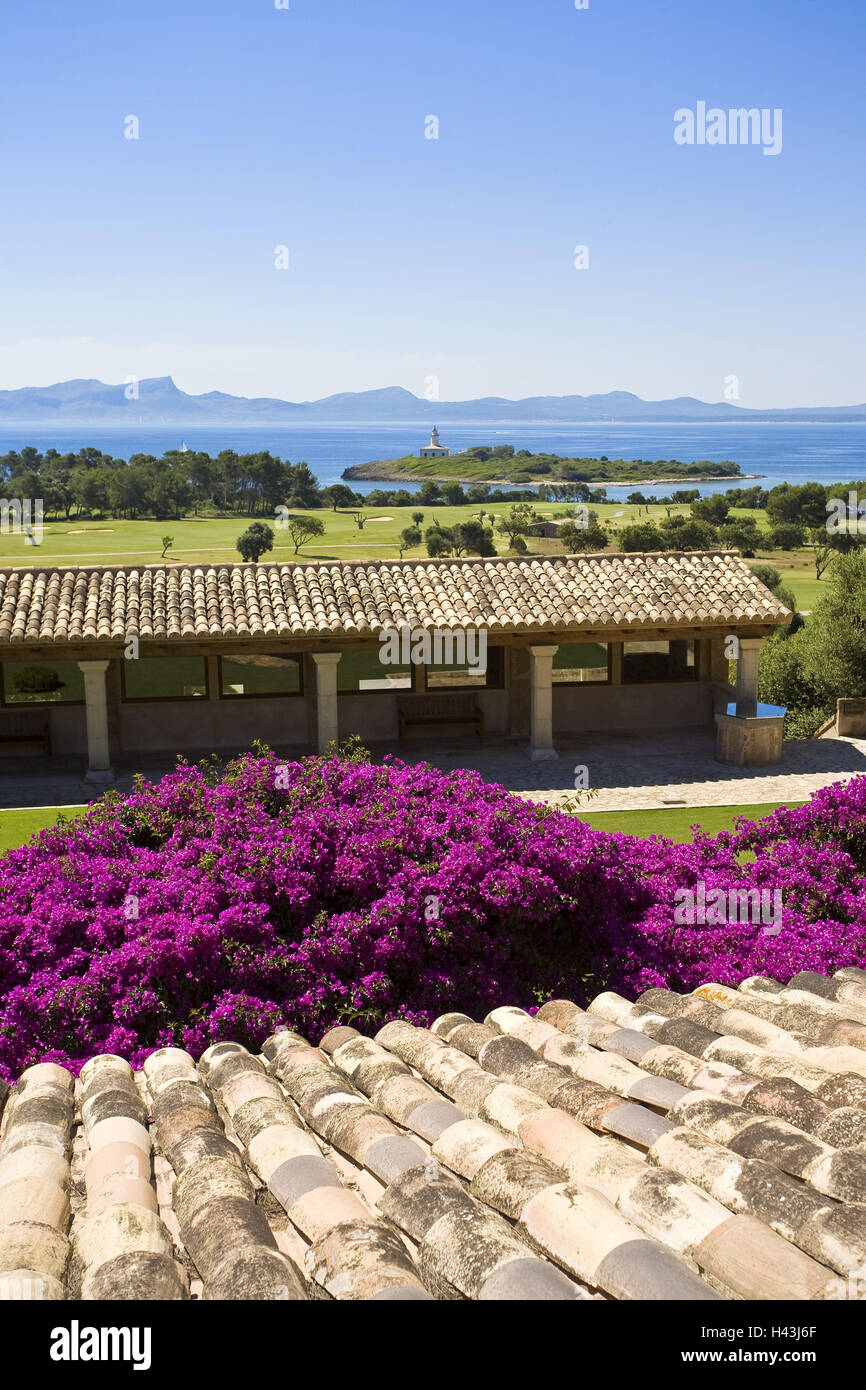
(434, 450)
(114, 662)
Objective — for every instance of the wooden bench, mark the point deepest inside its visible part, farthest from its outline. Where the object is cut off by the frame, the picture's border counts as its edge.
(439, 711)
(26, 726)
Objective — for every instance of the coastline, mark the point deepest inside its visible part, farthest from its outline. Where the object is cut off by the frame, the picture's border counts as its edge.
(396, 479)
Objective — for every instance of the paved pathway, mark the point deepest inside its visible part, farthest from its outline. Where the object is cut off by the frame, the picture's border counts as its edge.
(661, 768)
(628, 771)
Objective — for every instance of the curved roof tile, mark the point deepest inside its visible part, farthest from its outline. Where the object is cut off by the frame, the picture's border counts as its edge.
(102, 604)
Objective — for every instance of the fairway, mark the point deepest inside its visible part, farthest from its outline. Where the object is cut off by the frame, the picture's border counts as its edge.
(676, 824)
(17, 826)
(213, 540)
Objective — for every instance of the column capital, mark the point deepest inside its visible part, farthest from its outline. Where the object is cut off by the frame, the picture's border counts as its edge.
(544, 651)
(93, 667)
(326, 658)
(751, 644)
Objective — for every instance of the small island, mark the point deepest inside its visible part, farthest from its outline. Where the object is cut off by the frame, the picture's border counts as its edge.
(501, 463)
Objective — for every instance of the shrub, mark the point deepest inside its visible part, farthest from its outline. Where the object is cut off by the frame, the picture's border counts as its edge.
(805, 722)
(221, 905)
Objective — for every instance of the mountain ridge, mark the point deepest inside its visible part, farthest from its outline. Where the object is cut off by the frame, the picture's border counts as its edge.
(86, 400)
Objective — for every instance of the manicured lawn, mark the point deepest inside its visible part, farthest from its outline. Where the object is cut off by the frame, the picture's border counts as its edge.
(16, 827)
(676, 822)
(213, 540)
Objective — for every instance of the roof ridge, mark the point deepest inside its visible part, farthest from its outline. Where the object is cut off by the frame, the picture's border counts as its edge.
(400, 562)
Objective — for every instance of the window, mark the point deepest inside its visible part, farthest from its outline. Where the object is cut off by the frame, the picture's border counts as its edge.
(165, 678)
(484, 673)
(42, 683)
(260, 675)
(365, 672)
(579, 663)
(658, 661)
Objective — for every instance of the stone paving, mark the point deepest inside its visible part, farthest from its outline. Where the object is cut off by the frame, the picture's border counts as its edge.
(659, 768)
(647, 771)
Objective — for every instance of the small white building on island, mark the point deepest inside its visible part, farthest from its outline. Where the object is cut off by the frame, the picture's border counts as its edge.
(434, 450)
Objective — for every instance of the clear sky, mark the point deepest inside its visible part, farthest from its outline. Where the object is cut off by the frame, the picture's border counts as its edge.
(412, 258)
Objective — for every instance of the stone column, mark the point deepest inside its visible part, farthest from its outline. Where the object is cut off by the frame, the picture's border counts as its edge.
(541, 703)
(747, 676)
(99, 768)
(326, 698)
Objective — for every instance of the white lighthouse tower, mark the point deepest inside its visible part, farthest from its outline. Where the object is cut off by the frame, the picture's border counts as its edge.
(434, 449)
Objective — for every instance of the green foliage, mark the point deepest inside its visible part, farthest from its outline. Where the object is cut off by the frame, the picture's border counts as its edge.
(681, 533)
(805, 722)
(787, 535)
(302, 529)
(643, 537)
(579, 539)
(253, 542)
(339, 495)
(351, 750)
(713, 509)
(518, 523)
(804, 506)
(825, 659)
(768, 575)
(478, 463)
(410, 536)
(37, 680)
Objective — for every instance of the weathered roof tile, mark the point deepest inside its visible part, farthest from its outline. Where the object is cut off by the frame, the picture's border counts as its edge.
(105, 604)
(571, 1156)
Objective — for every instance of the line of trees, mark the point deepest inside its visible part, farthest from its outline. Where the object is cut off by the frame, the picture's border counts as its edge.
(797, 516)
(93, 483)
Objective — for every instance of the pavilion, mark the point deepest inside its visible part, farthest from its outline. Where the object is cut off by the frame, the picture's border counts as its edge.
(121, 661)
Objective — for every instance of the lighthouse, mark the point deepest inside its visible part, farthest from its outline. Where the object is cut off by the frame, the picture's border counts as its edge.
(434, 449)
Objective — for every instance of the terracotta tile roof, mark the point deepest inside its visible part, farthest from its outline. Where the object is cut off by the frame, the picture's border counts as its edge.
(110, 604)
(683, 1147)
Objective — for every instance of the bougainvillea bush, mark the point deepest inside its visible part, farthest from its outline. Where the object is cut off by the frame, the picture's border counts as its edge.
(330, 890)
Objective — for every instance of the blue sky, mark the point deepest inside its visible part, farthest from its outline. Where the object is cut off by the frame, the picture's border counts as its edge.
(452, 258)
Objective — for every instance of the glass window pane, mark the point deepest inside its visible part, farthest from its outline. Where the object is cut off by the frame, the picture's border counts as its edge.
(364, 671)
(165, 678)
(578, 662)
(486, 672)
(260, 675)
(658, 661)
(42, 682)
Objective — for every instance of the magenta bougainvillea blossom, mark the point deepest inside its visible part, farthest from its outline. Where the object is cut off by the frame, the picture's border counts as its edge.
(327, 891)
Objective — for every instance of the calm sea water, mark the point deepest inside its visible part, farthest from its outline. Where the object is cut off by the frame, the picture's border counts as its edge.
(779, 453)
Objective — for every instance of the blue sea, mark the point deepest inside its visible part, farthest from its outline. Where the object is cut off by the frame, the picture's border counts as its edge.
(794, 453)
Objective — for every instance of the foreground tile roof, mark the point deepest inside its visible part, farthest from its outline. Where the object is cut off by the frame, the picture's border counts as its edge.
(112, 603)
(694, 1147)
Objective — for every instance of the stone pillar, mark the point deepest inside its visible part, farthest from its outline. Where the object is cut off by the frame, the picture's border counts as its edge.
(327, 730)
(851, 718)
(747, 676)
(99, 768)
(541, 703)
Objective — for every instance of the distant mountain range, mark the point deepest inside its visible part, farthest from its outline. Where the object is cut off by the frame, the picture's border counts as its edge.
(156, 400)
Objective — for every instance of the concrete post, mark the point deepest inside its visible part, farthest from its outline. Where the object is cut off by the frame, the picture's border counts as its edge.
(541, 703)
(99, 768)
(747, 675)
(327, 730)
